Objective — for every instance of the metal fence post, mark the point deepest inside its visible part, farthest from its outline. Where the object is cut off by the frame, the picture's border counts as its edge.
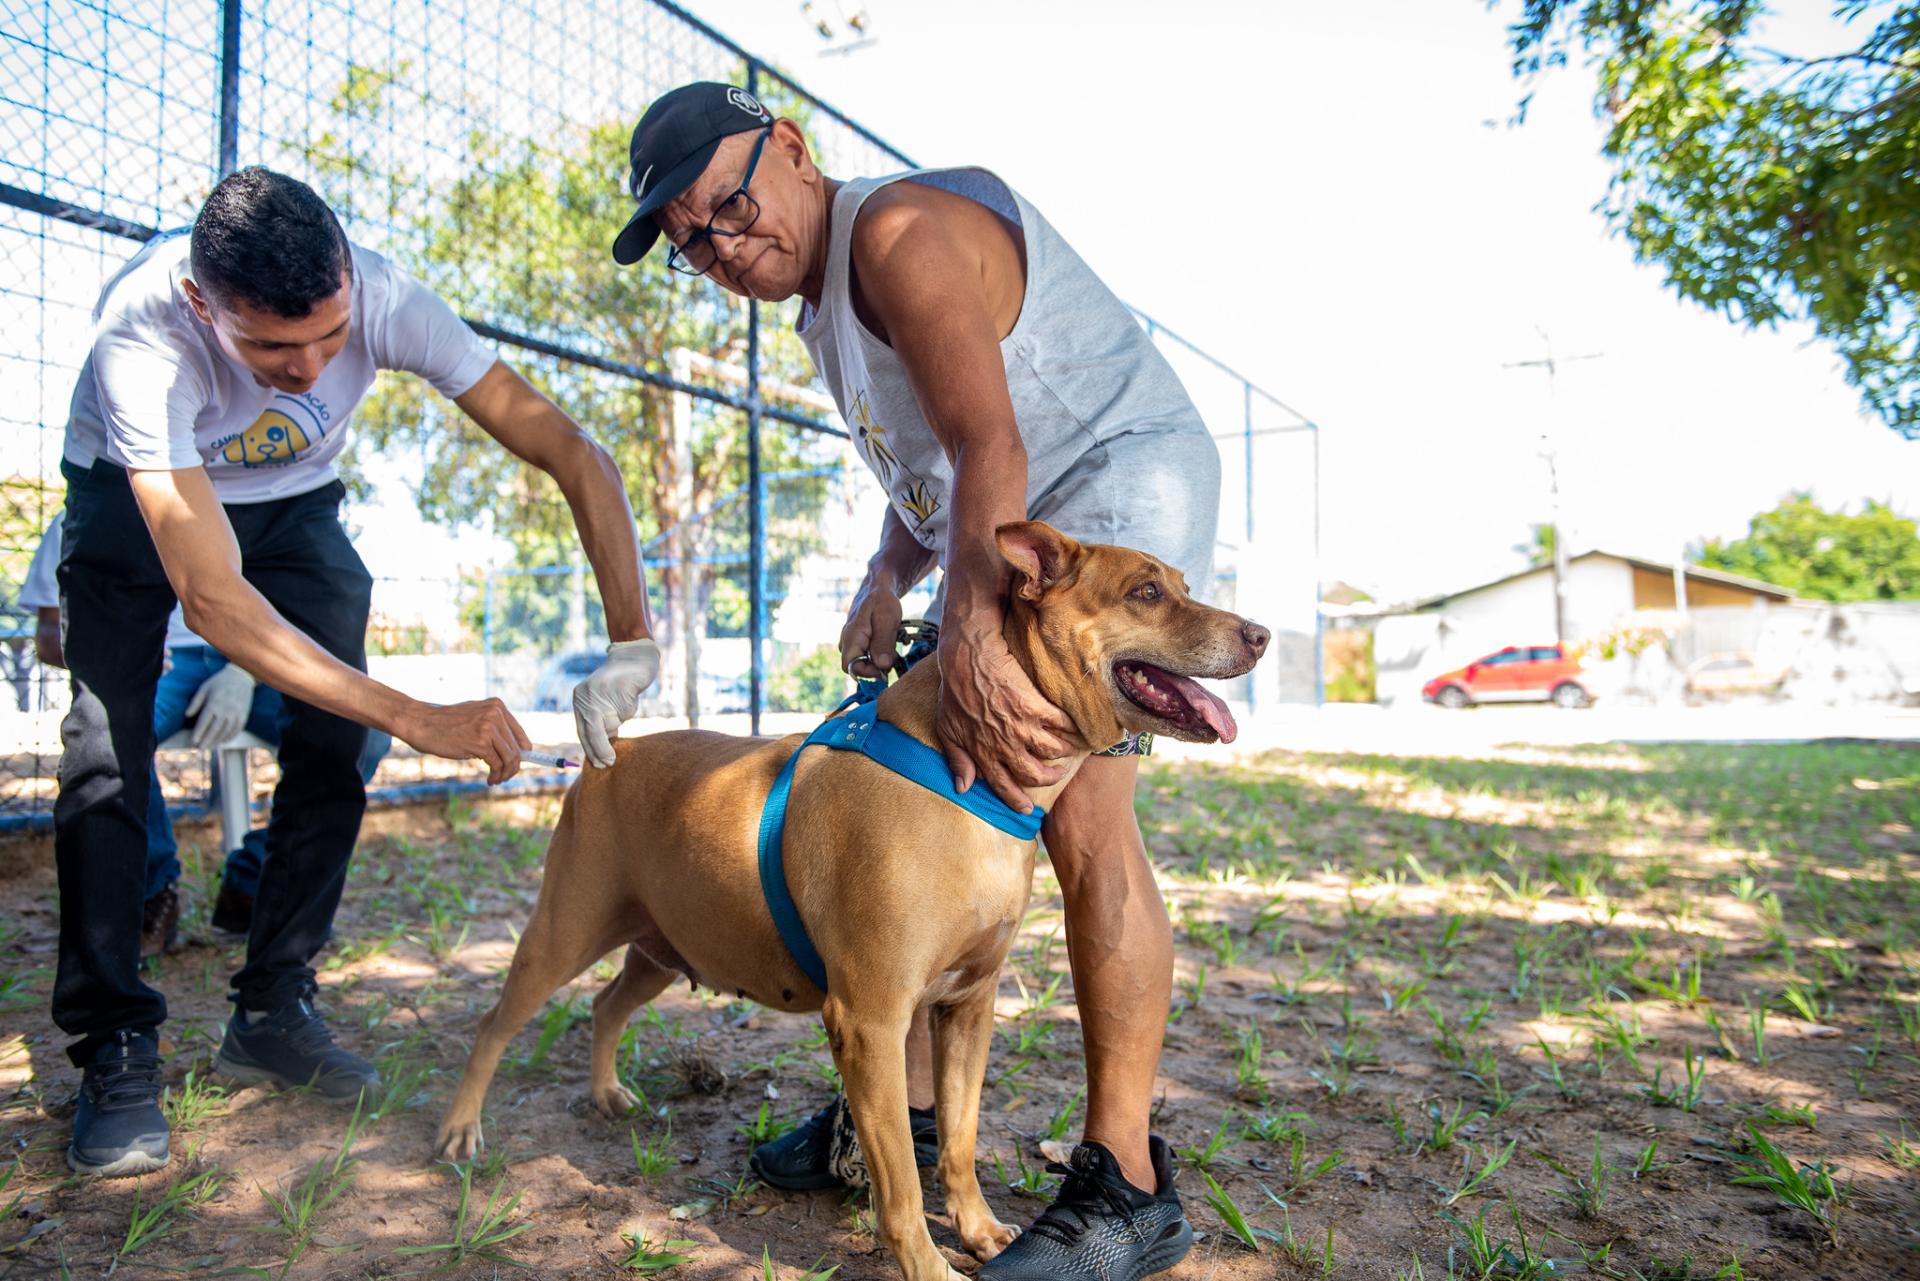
(1319, 619)
(1246, 556)
(486, 640)
(756, 499)
(230, 11)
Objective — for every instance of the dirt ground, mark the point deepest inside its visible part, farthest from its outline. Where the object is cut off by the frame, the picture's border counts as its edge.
(1407, 988)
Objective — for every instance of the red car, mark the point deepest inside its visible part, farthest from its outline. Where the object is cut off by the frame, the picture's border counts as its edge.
(1516, 674)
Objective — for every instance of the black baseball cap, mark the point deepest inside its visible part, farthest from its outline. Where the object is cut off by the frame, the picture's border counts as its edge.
(671, 148)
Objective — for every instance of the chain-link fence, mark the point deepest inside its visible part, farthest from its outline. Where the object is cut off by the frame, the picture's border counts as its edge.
(480, 145)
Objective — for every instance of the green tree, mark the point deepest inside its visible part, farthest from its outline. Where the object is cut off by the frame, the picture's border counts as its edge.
(1538, 549)
(1770, 185)
(521, 238)
(1826, 555)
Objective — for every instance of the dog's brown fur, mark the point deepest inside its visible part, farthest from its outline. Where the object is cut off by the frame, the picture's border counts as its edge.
(911, 901)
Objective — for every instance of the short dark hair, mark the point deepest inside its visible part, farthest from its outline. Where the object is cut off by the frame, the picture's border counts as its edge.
(269, 241)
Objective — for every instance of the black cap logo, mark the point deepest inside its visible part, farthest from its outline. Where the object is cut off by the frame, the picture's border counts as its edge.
(745, 101)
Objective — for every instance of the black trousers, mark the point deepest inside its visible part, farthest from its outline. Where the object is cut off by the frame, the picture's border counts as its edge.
(114, 600)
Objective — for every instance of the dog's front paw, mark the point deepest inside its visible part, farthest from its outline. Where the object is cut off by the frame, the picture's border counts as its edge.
(458, 1142)
(614, 1101)
(986, 1239)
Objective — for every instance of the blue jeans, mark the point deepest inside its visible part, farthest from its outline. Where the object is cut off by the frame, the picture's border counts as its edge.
(191, 666)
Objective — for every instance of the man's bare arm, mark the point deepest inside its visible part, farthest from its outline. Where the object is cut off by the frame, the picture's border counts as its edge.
(866, 642)
(929, 279)
(540, 433)
(202, 561)
(901, 561)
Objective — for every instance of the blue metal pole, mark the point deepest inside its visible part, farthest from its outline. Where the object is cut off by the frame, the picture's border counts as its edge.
(229, 86)
(486, 640)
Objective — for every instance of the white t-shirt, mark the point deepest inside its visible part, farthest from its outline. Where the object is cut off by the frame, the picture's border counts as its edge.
(41, 588)
(157, 392)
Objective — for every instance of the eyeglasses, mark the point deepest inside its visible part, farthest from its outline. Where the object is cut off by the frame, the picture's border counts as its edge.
(735, 215)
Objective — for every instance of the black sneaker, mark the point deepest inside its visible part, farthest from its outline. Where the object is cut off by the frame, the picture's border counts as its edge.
(293, 1046)
(232, 911)
(1099, 1225)
(118, 1128)
(824, 1152)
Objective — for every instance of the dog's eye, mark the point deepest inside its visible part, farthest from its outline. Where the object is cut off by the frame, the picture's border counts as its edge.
(1146, 592)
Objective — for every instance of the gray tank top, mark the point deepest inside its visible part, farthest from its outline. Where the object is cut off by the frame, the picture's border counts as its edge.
(1080, 370)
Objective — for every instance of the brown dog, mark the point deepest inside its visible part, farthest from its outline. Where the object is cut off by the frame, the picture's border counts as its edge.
(910, 900)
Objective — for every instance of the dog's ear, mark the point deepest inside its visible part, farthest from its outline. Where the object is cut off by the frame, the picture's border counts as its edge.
(1042, 557)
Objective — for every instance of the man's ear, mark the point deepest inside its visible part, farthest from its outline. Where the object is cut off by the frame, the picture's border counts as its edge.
(792, 141)
(197, 299)
(1042, 557)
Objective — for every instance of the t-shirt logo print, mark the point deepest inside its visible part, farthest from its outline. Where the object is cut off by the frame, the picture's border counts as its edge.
(873, 440)
(919, 500)
(914, 496)
(277, 437)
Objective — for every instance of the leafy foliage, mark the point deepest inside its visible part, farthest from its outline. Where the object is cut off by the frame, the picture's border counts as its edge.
(1538, 549)
(1770, 185)
(521, 239)
(811, 683)
(1826, 555)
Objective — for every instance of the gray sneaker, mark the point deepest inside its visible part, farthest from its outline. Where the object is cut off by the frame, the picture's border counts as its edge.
(1100, 1227)
(118, 1127)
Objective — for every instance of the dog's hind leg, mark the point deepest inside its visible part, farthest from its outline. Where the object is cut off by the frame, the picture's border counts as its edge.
(575, 922)
(869, 1042)
(962, 1035)
(638, 982)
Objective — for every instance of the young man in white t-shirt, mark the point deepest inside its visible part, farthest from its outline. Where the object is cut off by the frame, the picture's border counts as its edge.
(199, 458)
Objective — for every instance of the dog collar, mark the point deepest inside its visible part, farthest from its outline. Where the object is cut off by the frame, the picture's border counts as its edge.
(861, 730)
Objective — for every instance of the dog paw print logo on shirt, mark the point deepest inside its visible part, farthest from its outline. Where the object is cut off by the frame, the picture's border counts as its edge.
(278, 437)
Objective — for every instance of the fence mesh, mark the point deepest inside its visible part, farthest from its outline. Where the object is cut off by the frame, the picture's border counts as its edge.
(478, 144)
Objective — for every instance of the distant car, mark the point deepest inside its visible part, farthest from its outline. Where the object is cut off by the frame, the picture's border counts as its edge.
(1516, 674)
(553, 692)
(1731, 673)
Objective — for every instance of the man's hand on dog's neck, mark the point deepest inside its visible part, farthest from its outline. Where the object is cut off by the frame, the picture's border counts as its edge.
(992, 722)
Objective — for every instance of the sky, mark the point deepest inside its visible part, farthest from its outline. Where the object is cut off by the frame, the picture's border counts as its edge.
(1330, 199)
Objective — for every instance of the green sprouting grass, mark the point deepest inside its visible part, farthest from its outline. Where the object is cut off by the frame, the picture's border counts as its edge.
(1562, 976)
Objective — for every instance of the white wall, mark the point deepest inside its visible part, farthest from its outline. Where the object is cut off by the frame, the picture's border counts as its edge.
(1410, 649)
(1599, 597)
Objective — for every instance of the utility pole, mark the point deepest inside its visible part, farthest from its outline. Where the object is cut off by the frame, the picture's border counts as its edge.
(1547, 451)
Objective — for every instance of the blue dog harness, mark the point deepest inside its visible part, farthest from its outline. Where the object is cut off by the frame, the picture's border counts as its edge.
(861, 730)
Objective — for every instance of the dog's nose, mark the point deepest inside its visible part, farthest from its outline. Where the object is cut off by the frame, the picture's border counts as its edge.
(1256, 637)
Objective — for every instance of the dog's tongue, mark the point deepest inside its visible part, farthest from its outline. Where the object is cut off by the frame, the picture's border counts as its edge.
(1212, 710)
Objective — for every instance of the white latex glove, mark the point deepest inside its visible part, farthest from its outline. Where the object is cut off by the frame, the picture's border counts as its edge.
(220, 706)
(611, 695)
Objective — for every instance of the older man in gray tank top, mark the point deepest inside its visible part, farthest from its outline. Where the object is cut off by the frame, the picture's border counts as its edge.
(988, 376)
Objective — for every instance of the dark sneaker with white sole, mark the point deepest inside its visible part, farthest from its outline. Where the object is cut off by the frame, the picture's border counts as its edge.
(825, 1153)
(293, 1046)
(1100, 1227)
(118, 1128)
